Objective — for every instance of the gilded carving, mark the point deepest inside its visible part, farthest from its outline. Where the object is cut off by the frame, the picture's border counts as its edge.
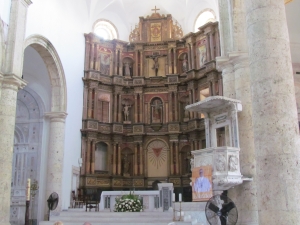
(93, 125)
(91, 181)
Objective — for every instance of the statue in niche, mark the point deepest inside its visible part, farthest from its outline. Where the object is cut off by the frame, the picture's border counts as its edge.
(186, 112)
(184, 64)
(127, 66)
(156, 108)
(188, 160)
(192, 163)
(126, 165)
(104, 63)
(126, 112)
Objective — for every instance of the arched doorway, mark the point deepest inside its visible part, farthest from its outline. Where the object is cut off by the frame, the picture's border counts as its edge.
(36, 132)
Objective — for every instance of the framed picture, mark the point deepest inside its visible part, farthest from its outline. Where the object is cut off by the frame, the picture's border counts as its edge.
(202, 183)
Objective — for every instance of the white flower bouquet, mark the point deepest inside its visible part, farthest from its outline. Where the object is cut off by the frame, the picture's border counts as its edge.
(128, 203)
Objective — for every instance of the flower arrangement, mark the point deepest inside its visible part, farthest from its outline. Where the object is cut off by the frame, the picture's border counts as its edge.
(128, 203)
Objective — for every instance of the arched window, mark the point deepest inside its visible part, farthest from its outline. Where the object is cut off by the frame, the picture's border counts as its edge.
(105, 29)
(205, 16)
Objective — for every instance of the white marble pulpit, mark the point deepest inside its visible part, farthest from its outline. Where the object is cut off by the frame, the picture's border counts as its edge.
(150, 199)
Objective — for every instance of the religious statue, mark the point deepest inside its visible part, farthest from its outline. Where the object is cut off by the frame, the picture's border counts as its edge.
(156, 111)
(156, 65)
(126, 112)
(184, 63)
(192, 163)
(188, 159)
(186, 112)
(126, 165)
(127, 69)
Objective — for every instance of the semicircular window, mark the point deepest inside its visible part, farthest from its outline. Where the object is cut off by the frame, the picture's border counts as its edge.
(105, 29)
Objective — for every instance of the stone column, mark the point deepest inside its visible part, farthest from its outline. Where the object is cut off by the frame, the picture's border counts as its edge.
(90, 100)
(171, 158)
(211, 45)
(176, 106)
(177, 158)
(88, 157)
(170, 60)
(189, 56)
(115, 61)
(245, 195)
(120, 64)
(87, 53)
(83, 154)
(142, 161)
(119, 159)
(135, 71)
(135, 108)
(170, 107)
(175, 61)
(8, 100)
(97, 61)
(228, 78)
(193, 56)
(92, 56)
(93, 149)
(55, 156)
(114, 159)
(120, 109)
(115, 113)
(142, 63)
(135, 160)
(275, 127)
(11, 82)
(208, 47)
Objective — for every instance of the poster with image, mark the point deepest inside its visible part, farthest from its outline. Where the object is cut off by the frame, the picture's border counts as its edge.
(202, 183)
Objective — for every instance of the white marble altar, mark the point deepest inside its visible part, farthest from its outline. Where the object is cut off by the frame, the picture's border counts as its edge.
(148, 199)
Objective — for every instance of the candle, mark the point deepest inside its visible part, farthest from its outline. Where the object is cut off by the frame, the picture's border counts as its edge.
(173, 197)
(28, 190)
(180, 197)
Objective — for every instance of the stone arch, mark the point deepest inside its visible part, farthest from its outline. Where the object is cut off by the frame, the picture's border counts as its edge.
(55, 70)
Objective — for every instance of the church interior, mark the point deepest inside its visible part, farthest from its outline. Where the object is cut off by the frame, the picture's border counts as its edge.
(93, 98)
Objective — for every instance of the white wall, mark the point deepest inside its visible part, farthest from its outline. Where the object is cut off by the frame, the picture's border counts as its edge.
(63, 23)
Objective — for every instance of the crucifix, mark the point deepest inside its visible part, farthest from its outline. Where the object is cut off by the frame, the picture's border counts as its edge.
(155, 9)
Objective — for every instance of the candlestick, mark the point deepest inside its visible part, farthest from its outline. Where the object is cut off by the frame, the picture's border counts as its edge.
(173, 197)
(28, 190)
(180, 197)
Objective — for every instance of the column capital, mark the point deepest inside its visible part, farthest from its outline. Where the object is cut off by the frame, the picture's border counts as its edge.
(56, 116)
(12, 80)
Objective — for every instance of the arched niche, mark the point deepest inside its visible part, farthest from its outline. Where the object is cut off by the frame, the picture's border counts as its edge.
(156, 111)
(183, 64)
(101, 157)
(128, 65)
(185, 156)
(127, 162)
